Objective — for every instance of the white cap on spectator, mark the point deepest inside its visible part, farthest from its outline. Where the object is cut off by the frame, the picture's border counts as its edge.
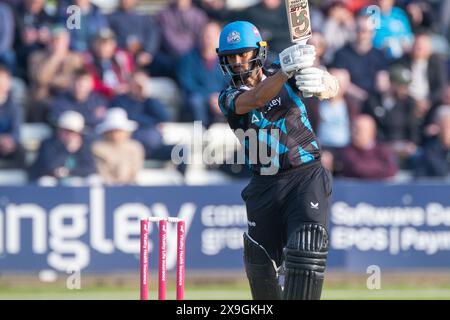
(116, 119)
(71, 120)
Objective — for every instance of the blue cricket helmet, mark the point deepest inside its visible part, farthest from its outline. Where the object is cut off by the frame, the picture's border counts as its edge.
(239, 36)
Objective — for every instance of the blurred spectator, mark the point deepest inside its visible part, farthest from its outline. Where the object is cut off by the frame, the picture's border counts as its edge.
(32, 32)
(332, 119)
(356, 5)
(201, 79)
(430, 129)
(393, 35)
(215, 9)
(138, 34)
(13, 3)
(7, 55)
(181, 24)
(394, 114)
(91, 22)
(51, 72)
(435, 161)
(318, 41)
(445, 18)
(339, 27)
(269, 16)
(139, 103)
(365, 158)
(67, 153)
(110, 66)
(364, 62)
(422, 16)
(147, 112)
(421, 110)
(317, 16)
(118, 158)
(428, 71)
(82, 99)
(328, 161)
(10, 121)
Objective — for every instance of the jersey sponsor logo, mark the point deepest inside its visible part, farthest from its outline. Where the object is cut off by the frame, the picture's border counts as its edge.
(275, 102)
(255, 118)
(314, 205)
(272, 104)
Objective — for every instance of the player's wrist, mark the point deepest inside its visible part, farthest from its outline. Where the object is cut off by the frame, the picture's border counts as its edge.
(285, 76)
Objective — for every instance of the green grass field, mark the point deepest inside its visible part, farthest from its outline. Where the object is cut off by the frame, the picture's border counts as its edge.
(337, 286)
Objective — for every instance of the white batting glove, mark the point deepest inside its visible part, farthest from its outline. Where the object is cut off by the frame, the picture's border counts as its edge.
(317, 82)
(297, 57)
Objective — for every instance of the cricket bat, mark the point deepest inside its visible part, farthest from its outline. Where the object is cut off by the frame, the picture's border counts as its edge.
(299, 23)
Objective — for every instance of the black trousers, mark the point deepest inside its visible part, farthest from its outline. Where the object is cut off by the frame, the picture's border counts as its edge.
(278, 204)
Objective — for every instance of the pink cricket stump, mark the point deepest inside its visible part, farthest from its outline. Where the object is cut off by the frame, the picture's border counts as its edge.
(144, 259)
(181, 241)
(162, 259)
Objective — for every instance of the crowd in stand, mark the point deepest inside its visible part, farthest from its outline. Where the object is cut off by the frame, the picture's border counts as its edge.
(92, 82)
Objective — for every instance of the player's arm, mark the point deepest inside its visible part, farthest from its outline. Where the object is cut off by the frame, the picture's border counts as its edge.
(292, 59)
(262, 93)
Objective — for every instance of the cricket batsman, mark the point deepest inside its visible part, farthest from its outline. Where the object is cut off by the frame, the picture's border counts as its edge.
(286, 211)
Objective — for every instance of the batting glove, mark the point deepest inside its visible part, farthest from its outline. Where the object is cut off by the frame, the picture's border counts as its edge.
(297, 57)
(317, 82)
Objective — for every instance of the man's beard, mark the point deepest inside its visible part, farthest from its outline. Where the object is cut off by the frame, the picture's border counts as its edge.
(243, 76)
